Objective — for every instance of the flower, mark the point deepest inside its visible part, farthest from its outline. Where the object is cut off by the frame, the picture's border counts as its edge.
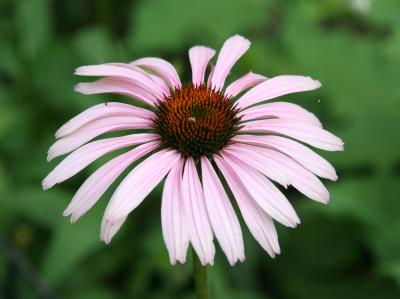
(203, 139)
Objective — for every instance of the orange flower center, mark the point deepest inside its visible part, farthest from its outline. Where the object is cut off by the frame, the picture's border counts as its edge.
(196, 120)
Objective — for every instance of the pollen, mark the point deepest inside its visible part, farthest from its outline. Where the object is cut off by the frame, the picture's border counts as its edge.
(196, 120)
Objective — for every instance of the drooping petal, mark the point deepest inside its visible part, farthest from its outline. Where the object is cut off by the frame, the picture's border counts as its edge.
(109, 229)
(267, 196)
(281, 110)
(124, 71)
(174, 223)
(276, 87)
(259, 223)
(268, 169)
(212, 67)
(117, 85)
(161, 67)
(139, 183)
(309, 134)
(156, 79)
(233, 48)
(160, 82)
(98, 183)
(243, 83)
(104, 110)
(199, 57)
(93, 129)
(86, 154)
(200, 232)
(222, 216)
(302, 154)
(302, 179)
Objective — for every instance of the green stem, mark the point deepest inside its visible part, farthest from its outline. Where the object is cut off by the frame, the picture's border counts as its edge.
(200, 277)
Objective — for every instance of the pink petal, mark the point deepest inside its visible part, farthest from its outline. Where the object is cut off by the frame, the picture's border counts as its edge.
(117, 85)
(259, 223)
(124, 71)
(233, 48)
(281, 110)
(268, 169)
(95, 186)
(174, 224)
(243, 83)
(222, 216)
(200, 232)
(156, 79)
(212, 67)
(312, 135)
(267, 196)
(109, 229)
(199, 57)
(162, 68)
(303, 180)
(85, 155)
(160, 82)
(302, 154)
(93, 129)
(102, 111)
(276, 87)
(139, 183)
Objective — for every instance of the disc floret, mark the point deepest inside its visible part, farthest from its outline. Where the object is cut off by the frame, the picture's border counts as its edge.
(196, 120)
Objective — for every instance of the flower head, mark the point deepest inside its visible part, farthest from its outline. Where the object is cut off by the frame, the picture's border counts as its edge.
(197, 136)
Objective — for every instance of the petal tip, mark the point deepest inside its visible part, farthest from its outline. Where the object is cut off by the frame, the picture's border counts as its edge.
(240, 38)
(67, 212)
(46, 185)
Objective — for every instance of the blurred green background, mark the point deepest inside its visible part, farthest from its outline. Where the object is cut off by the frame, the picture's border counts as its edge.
(348, 249)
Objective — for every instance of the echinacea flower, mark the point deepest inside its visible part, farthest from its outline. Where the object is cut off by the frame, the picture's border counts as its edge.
(203, 139)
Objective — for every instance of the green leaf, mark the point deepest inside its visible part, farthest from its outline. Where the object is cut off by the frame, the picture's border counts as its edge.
(70, 245)
(34, 25)
(95, 293)
(170, 24)
(44, 208)
(94, 46)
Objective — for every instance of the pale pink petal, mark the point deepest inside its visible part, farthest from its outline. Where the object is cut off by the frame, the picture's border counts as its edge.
(174, 224)
(233, 48)
(268, 169)
(222, 216)
(162, 84)
(199, 57)
(124, 71)
(276, 87)
(267, 196)
(200, 232)
(86, 154)
(259, 223)
(93, 129)
(162, 68)
(103, 110)
(117, 85)
(301, 131)
(156, 79)
(243, 83)
(281, 110)
(302, 154)
(212, 67)
(109, 229)
(302, 179)
(139, 183)
(95, 186)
